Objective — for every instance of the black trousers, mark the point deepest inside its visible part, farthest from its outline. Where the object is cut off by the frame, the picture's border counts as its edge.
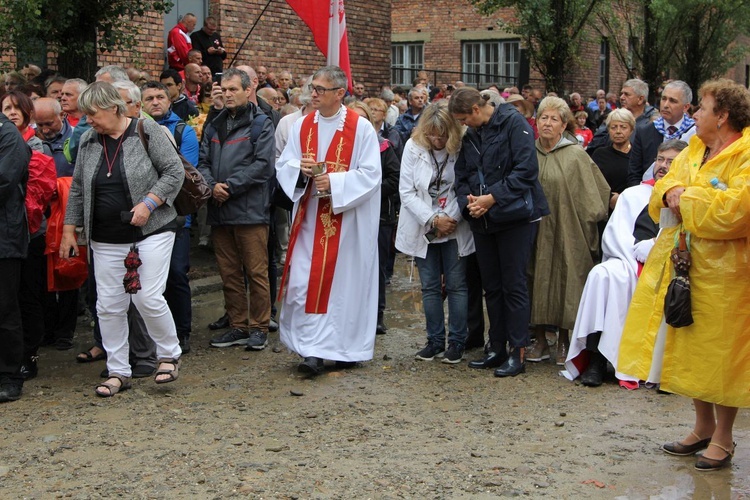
(503, 259)
(385, 241)
(32, 296)
(475, 316)
(11, 331)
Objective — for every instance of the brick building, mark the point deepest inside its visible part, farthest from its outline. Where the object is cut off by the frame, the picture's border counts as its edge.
(452, 41)
(280, 40)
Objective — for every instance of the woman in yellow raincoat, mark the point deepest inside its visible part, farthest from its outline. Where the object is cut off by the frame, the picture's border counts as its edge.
(709, 360)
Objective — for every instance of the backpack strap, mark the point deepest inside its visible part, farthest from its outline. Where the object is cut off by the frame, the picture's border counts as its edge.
(257, 126)
(178, 131)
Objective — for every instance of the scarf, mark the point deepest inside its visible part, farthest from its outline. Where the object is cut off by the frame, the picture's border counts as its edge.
(687, 123)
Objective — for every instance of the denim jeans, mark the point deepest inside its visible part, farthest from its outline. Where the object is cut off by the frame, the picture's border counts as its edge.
(442, 258)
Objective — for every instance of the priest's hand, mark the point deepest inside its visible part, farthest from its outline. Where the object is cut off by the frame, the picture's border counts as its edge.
(673, 200)
(306, 165)
(323, 183)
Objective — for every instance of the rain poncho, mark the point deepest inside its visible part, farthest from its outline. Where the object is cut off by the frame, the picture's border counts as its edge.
(710, 359)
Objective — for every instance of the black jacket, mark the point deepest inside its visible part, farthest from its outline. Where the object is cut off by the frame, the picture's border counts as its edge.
(504, 149)
(202, 41)
(14, 173)
(229, 156)
(389, 199)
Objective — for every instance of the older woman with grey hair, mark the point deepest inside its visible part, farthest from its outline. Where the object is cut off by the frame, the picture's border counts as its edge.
(122, 196)
(568, 241)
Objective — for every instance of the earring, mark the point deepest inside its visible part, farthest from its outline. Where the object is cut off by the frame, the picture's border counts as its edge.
(718, 127)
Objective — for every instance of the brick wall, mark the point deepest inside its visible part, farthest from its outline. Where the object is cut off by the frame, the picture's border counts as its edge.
(443, 24)
(281, 41)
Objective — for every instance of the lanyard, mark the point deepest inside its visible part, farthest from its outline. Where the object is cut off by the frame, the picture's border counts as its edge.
(440, 167)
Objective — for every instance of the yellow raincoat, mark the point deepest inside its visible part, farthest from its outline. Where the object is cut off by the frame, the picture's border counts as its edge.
(710, 359)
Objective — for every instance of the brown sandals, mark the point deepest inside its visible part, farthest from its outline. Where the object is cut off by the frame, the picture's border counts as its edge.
(173, 373)
(683, 450)
(707, 464)
(112, 388)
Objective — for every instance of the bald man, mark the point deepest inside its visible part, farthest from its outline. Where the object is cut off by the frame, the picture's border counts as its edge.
(52, 126)
(193, 81)
(270, 96)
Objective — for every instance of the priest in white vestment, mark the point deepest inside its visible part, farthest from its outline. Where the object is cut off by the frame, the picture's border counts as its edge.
(610, 284)
(329, 288)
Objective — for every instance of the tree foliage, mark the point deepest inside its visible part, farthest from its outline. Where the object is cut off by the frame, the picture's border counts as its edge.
(551, 30)
(75, 29)
(688, 39)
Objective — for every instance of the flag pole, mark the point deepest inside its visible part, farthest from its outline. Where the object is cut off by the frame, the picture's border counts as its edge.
(249, 33)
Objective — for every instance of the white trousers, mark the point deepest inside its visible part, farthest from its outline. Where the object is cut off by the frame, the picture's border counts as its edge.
(113, 302)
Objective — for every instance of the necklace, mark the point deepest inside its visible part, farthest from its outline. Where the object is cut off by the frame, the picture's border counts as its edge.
(111, 164)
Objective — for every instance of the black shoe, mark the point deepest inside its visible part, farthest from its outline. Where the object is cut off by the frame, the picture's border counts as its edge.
(142, 371)
(273, 325)
(454, 354)
(64, 344)
(10, 391)
(594, 374)
(491, 360)
(513, 366)
(381, 329)
(29, 369)
(429, 351)
(104, 373)
(220, 323)
(311, 366)
(235, 336)
(185, 345)
(257, 341)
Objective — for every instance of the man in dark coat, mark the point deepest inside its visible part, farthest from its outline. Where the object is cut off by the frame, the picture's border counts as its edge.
(14, 242)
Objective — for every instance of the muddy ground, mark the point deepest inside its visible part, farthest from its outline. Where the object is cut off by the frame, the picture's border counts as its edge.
(393, 428)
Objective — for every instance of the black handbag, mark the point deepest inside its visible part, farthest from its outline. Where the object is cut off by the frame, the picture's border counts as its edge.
(677, 307)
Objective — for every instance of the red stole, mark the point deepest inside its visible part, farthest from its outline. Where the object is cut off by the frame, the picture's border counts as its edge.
(327, 224)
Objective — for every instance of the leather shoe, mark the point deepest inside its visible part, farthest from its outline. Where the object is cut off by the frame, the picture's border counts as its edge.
(311, 365)
(684, 450)
(10, 391)
(29, 368)
(381, 329)
(513, 366)
(594, 374)
(491, 360)
(185, 345)
(220, 323)
(708, 464)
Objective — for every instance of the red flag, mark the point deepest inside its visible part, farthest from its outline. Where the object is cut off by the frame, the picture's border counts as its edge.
(327, 22)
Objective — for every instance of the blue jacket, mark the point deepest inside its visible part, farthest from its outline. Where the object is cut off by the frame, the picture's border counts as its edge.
(505, 150)
(63, 166)
(189, 146)
(405, 124)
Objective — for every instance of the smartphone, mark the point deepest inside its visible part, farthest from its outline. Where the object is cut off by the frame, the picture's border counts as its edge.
(126, 217)
(217, 77)
(430, 235)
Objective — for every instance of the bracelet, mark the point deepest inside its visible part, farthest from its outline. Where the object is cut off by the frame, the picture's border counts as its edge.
(150, 204)
(434, 221)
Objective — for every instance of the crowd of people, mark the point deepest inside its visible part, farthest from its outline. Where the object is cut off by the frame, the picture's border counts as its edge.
(557, 218)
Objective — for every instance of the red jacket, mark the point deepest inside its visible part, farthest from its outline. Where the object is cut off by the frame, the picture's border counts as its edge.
(178, 46)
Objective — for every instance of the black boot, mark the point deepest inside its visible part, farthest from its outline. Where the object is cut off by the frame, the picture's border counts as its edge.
(311, 366)
(29, 369)
(220, 323)
(380, 329)
(492, 359)
(594, 374)
(514, 365)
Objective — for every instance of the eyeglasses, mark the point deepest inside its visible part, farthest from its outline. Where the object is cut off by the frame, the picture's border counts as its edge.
(437, 137)
(321, 90)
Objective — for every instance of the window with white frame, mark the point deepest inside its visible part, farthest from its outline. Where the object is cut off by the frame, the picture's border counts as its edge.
(406, 60)
(488, 62)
